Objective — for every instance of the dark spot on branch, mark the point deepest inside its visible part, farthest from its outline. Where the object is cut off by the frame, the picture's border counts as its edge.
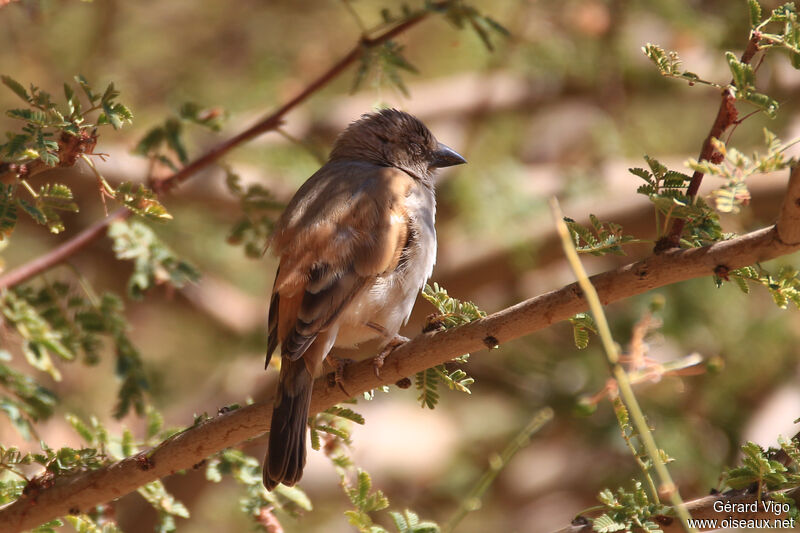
(580, 520)
(491, 341)
(403, 383)
(198, 465)
(576, 291)
(642, 272)
(722, 271)
(665, 243)
(74, 510)
(144, 462)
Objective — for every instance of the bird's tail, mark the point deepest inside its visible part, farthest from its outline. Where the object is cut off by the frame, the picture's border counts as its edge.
(286, 455)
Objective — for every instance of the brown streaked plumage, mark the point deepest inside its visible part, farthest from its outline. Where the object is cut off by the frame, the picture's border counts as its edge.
(356, 243)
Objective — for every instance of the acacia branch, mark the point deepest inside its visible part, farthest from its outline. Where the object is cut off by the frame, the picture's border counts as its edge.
(84, 490)
(269, 122)
(726, 117)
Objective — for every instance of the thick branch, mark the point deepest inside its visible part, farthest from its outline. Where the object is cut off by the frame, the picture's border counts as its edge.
(84, 490)
(788, 224)
(270, 122)
(726, 116)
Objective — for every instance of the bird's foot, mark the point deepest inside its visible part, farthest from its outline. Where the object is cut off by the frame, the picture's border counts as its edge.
(377, 362)
(339, 365)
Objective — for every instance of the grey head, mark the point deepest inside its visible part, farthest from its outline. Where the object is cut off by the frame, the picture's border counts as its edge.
(396, 139)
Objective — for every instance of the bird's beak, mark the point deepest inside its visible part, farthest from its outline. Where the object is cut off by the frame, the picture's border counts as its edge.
(444, 156)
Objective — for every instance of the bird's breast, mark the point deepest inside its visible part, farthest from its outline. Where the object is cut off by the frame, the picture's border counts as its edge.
(387, 301)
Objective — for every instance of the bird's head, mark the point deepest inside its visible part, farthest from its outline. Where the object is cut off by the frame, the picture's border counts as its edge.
(394, 138)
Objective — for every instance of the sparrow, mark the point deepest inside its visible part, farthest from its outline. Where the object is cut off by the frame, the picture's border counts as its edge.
(355, 245)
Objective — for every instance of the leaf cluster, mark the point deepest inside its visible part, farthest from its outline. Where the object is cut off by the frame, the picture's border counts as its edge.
(246, 471)
(760, 470)
(787, 36)
(783, 287)
(43, 118)
(735, 168)
(154, 263)
(451, 312)
(365, 500)
(22, 399)
(600, 239)
(385, 61)
(628, 511)
(666, 189)
(259, 210)
(58, 321)
(44, 206)
(335, 422)
(166, 142)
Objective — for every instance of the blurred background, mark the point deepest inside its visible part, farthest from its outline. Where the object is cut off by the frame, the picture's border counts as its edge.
(563, 106)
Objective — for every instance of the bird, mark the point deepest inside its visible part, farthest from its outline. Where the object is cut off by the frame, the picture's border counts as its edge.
(355, 246)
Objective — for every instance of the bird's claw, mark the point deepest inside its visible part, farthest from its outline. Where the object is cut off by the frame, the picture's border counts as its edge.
(339, 364)
(377, 362)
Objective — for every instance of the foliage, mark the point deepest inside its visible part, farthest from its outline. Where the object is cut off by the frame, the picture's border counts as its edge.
(259, 209)
(165, 143)
(452, 312)
(22, 399)
(666, 189)
(385, 61)
(77, 137)
(601, 239)
(154, 263)
(43, 118)
(58, 321)
(760, 470)
(256, 501)
(735, 168)
(784, 288)
(582, 325)
(628, 511)
(335, 423)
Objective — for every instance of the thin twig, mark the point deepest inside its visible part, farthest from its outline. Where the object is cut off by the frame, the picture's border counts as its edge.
(472, 501)
(726, 116)
(625, 388)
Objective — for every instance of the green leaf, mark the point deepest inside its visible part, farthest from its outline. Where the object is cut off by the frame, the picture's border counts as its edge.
(755, 12)
(154, 262)
(8, 210)
(426, 383)
(141, 201)
(86, 88)
(173, 133)
(81, 428)
(16, 86)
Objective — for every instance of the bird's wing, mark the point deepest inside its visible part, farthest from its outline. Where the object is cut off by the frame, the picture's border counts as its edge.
(346, 225)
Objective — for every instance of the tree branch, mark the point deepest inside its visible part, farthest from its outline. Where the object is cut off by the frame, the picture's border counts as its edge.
(269, 122)
(726, 116)
(86, 489)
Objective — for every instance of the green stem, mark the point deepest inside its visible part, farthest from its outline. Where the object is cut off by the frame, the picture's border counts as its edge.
(472, 501)
(612, 353)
